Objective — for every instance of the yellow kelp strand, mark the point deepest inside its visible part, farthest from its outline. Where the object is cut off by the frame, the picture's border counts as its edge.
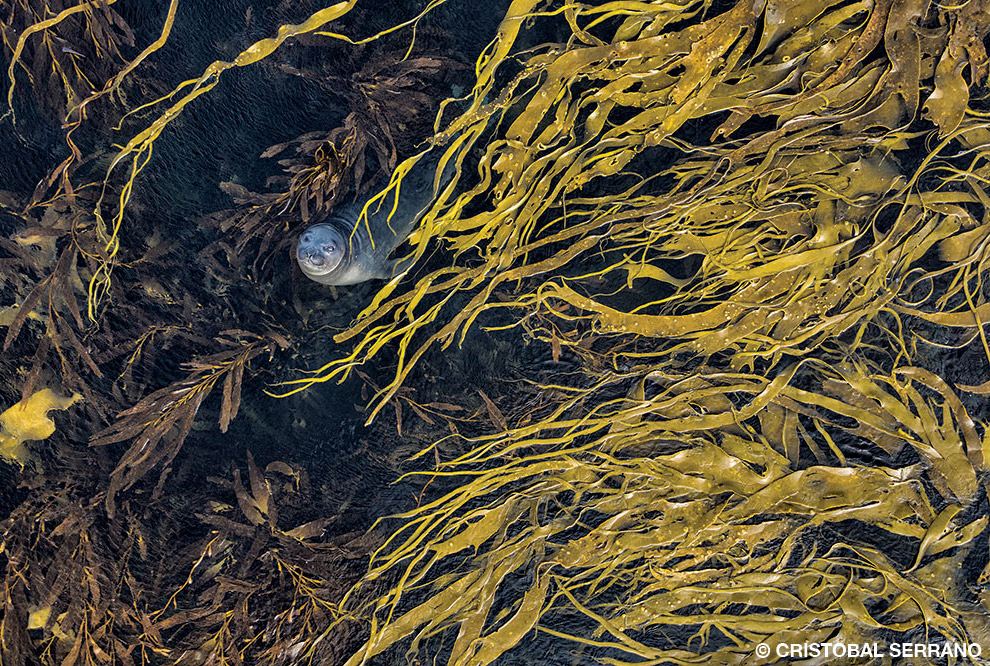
(77, 113)
(685, 508)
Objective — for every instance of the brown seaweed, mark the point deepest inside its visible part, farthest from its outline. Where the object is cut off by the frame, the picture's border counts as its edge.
(748, 231)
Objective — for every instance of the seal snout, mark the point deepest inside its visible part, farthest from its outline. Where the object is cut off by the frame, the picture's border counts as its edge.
(311, 257)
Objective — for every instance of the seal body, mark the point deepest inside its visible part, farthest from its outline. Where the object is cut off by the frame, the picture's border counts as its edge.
(344, 250)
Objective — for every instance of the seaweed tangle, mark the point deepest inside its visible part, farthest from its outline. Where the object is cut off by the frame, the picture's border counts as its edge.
(802, 231)
(64, 49)
(702, 514)
(98, 589)
(753, 232)
(99, 562)
(766, 301)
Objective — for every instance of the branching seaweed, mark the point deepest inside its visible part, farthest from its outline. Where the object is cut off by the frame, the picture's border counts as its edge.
(160, 422)
(66, 50)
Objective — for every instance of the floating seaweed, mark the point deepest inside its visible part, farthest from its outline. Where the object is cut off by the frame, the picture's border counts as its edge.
(752, 233)
(28, 421)
(160, 422)
(810, 246)
(692, 504)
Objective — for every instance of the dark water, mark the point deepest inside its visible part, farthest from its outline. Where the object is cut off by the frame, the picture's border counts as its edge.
(218, 138)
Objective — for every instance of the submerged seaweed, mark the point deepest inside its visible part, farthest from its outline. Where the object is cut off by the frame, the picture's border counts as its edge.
(742, 240)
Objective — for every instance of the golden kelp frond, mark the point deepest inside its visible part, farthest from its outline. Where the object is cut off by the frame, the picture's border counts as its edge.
(778, 285)
(80, 110)
(803, 232)
(892, 411)
(693, 507)
(967, 31)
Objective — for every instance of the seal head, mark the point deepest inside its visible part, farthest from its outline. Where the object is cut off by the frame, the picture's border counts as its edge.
(321, 250)
(355, 244)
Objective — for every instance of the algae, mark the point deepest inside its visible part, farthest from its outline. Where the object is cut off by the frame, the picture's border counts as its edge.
(753, 232)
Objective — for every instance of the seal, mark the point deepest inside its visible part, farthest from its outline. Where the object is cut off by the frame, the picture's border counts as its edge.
(344, 250)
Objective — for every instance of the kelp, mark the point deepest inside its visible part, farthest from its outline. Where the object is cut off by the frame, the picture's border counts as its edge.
(388, 96)
(691, 504)
(113, 367)
(160, 422)
(66, 50)
(78, 112)
(743, 228)
(28, 420)
(765, 300)
(120, 589)
(788, 223)
(43, 276)
(253, 562)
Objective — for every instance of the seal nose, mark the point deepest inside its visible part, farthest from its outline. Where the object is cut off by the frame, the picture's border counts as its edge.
(310, 255)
